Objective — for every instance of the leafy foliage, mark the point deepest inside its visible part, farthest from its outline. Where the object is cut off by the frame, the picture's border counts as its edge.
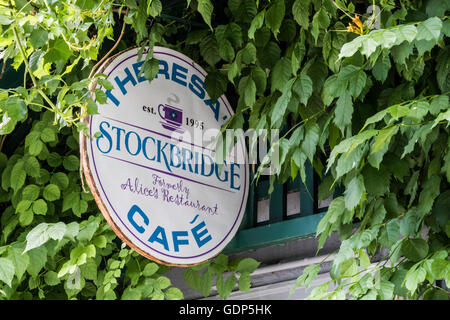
(55, 243)
(369, 108)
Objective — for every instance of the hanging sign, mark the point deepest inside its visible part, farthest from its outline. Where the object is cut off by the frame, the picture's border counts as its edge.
(150, 167)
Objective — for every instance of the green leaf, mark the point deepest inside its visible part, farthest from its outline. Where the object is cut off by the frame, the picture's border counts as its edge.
(150, 69)
(71, 163)
(247, 89)
(343, 111)
(54, 159)
(320, 21)
(192, 278)
(309, 143)
(18, 176)
(275, 15)
(228, 286)
(335, 210)
(421, 132)
(226, 51)
(381, 68)
(279, 109)
(79, 206)
(26, 218)
(174, 294)
(7, 124)
(205, 8)
(18, 258)
(92, 107)
(72, 230)
(413, 277)
(350, 48)
(150, 269)
(60, 179)
(23, 206)
(357, 83)
(364, 260)
(40, 207)
(386, 290)
(57, 231)
(418, 110)
(307, 277)
(439, 103)
(332, 88)
(6, 271)
(405, 33)
(442, 68)
(51, 192)
(354, 192)
(216, 84)
(437, 8)
(16, 108)
(206, 283)
(4, 20)
(32, 167)
(89, 269)
(397, 279)
(377, 180)
(85, 4)
(105, 84)
(100, 241)
(38, 258)
(59, 51)
(435, 294)
(390, 234)
(269, 55)
(163, 282)
(260, 78)
(383, 138)
(247, 265)
(429, 29)
(38, 38)
(155, 8)
(35, 148)
(51, 278)
(300, 11)
(209, 50)
(30, 192)
(348, 268)
(100, 95)
(280, 74)
(256, 24)
(386, 38)
(37, 237)
(415, 249)
(244, 282)
(88, 231)
(248, 53)
(410, 222)
(131, 294)
(303, 88)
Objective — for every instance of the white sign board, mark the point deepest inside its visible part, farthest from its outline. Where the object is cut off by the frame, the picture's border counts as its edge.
(152, 175)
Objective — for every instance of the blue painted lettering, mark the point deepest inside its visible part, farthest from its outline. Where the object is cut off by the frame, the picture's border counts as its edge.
(135, 209)
(121, 83)
(104, 134)
(200, 231)
(159, 235)
(177, 242)
(137, 69)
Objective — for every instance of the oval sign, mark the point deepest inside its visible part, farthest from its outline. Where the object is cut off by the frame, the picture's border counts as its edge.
(151, 169)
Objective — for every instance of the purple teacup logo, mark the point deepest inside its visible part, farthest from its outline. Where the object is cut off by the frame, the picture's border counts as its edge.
(172, 116)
